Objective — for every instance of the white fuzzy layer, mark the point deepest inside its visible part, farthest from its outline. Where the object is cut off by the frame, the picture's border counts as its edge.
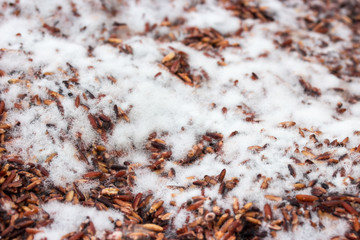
(165, 104)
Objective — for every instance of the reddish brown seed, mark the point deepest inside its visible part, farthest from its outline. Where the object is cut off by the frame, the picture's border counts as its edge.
(349, 208)
(77, 236)
(166, 154)
(210, 180)
(215, 135)
(2, 107)
(187, 235)
(200, 183)
(160, 211)
(153, 227)
(226, 225)
(23, 222)
(309, 89)
(91, 229)
(253, 220)
(285, 214)
(324, 156)
(136, 201)
(22, 198)
(171, 173)
(43, 171)
(306, 198)
(50, 157)
(195, 205)
(92, 120)
(301, 133)
(351, 236)
(33, 230)
(209, 235)
(356, 224)
(6, 231)
(92, 175)
(120, 173)
(331, 203)
(168, 57)
(345, 141)
(8, 180)
(236, 205)
(267, 212)
(219, 235)
(231, 229)
(230, 184)
(158, 143)
(52, 30)
(145, 202)
(116, 110)
(175, 66)
(299, 186)
(110, 191)
(104, 118)
(74, 79)
(155, 206)
(233, 133)
(265, 183)
(78, 192)
(222, 175)
(287, 124)
(126, 198)
(112, 79)
(292, 170)
(254, 76)
(255, 148)
(157, 75)
(273, 198)
(121, 114)
(275, 227)
(221, 219)
(318, 191)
